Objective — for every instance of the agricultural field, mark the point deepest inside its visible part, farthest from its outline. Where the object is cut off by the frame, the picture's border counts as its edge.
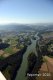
(47, 35)
(46, 69)
(11, 49)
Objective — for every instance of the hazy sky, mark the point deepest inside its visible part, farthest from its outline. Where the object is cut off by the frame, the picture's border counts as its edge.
(26, 11)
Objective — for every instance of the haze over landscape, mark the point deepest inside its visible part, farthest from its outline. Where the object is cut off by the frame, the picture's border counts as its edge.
(26, 39)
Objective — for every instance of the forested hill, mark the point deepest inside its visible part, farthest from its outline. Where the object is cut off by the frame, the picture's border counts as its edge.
(15, 27)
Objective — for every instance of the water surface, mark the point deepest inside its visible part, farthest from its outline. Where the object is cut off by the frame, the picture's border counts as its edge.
(22, 71)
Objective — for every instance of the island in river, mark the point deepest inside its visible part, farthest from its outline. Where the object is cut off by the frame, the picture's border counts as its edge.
(43, 69)
(16, 57)
(12, 49)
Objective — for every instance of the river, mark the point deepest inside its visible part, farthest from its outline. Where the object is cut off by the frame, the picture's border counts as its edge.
(22, 71)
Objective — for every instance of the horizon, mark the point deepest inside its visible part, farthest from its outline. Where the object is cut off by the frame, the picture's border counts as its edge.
(3, 24)
(14, 23)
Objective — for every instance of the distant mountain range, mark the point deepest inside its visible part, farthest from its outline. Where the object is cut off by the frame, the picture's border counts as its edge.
(42, 27)
(15, 27)
(22, 27)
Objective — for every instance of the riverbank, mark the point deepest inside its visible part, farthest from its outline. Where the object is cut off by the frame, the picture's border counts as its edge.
(10, 65)
(21, 74)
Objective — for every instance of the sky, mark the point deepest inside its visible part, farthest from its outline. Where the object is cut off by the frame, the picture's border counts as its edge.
(26, 11)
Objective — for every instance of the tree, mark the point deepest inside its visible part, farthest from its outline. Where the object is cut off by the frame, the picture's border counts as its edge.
(0, 40)
(31, 62)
